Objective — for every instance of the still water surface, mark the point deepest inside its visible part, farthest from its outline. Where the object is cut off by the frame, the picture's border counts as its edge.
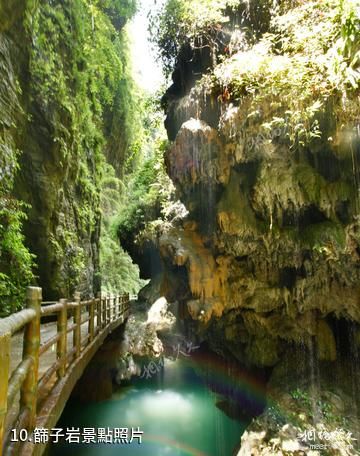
(176, 412)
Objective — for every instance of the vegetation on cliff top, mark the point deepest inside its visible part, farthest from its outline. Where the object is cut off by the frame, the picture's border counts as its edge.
(202, 24)
(180, 22)
(149, 192)
(118, 272)
(310, 56)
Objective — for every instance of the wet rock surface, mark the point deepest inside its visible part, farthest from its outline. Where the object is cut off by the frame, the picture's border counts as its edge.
(127, 351)
(270, 247)
(268, 256)
(266, 253)
(311, 410)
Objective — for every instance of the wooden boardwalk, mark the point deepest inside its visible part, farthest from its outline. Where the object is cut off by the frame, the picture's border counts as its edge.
(40, 363)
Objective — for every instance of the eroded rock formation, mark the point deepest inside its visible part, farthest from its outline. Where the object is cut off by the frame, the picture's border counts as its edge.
(271, 243)
(56, 135)
(130, 351)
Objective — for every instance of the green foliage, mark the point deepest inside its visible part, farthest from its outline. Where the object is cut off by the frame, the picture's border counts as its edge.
(81, 82)
(346, 51)
(168, 33)
(148, 197)
(16, 261)
(123, 119)
(148, 190)
(80, 65)
(182, 21)
(326, 410)
(302, 396)
(81, 99)
(142, 203)
(119, 10)
(118, 272)
(323, 407)
(276, 415)
(310, 57)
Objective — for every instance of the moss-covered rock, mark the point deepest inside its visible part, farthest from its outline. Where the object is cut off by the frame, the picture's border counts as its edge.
(263, 160)
(66, 107)
(311, 410)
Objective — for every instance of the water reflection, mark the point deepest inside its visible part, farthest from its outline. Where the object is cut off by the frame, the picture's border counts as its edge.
(176, 412)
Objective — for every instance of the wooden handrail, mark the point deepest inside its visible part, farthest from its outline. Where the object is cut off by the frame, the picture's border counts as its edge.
(17, 378)
(5, 342)
(50, 342)
(61, 347)
(50, 310)
(91, 328)
(13, 323)
(77, 322)
(31, 346)
(104, 312)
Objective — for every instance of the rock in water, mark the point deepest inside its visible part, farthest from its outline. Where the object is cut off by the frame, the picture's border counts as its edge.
(160, 317)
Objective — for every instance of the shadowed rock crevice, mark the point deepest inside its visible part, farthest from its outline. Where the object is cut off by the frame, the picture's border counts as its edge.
(270, 244)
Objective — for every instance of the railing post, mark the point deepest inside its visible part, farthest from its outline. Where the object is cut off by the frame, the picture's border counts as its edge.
(122, 305)
(103, 303)
(5, 343)
(111, 307)
(116, 306)
(61, 347)
(99, 312)
(127, 297)
(108, 309)
(92, 320)
(28, 394)
(77, 322)
(119, 306)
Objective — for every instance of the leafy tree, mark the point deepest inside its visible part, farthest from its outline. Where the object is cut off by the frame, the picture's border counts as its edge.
(79, 84)
(118, 272)
(15, 259)
(181, 22)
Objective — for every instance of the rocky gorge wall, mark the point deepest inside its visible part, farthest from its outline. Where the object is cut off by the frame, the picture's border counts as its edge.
(64, 80)
(268, 173)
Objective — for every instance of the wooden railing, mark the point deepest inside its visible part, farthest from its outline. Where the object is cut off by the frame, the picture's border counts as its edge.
(101, 315)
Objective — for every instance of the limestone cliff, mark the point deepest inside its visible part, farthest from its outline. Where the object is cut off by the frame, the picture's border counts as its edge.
(64, 79)
(265, 158)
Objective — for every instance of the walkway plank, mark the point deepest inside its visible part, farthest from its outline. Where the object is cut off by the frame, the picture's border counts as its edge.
(47, 376)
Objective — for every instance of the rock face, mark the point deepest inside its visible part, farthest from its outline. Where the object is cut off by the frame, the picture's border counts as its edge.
(133, 350)
(273, 275)
(159, 317)
(49, 177)
(57, 125)
(271, 244)
(272, 248)
(15, 261)
(306, 412)
(140, 343)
